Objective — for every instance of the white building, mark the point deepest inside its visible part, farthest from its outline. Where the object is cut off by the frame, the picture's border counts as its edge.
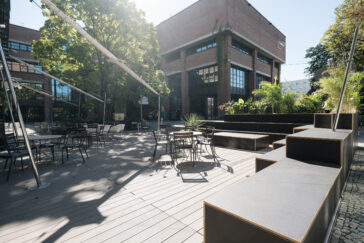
(301, 86)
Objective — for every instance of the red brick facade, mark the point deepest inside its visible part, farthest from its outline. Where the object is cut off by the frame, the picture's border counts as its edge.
(224, 20)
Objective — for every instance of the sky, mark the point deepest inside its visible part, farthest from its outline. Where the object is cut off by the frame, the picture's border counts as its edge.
(302, 22)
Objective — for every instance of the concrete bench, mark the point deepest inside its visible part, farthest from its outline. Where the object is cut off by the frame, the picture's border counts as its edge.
(265, 160)
(241, 140)
(279, 143)
(290, 201)
(302, 128)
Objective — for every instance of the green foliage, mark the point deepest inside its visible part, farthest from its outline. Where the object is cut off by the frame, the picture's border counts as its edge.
(192, 120)
(332, 85)
(319, 61)
(289, 102)
(270, 95)
(337, 39)
(118, 26)
(310, 103)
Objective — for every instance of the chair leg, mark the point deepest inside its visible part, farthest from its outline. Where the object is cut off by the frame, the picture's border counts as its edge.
(86, 152)
(155, 151)
(22, 163)
(52, 149)
(11, 163)
(6, 163)
(62, 156)
(83, 159)
(67, 152)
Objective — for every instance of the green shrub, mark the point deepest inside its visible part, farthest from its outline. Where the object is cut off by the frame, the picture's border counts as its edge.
(192, 120)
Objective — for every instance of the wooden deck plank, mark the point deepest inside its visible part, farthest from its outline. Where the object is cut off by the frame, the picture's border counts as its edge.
(118, 195)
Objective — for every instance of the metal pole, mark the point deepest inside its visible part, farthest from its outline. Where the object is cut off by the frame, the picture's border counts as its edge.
(352, 50)
(103, 119)
(9, 105)
(20, 117)
(159, 112)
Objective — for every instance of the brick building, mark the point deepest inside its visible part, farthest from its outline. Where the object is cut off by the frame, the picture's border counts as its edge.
(215, 51)
(35, 107)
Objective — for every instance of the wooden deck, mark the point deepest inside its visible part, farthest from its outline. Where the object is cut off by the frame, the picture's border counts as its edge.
(119, 195)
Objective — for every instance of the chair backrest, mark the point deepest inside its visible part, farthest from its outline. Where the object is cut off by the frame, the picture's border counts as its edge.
(11, 142)
(107, 128)
(191, 128)
(117, 129)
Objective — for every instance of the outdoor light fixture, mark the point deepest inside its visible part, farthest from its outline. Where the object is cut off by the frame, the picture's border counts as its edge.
(2, 26)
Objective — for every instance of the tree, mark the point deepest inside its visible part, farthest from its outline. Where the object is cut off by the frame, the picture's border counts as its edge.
(320, 59)
(332, 85)
(118, 26)
(337, 39)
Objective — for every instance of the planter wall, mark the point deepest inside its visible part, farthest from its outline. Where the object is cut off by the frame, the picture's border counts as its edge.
(305, 118)
(346, 121)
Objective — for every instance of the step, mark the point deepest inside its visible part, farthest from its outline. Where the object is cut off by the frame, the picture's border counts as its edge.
(265, 160)
(302, 128)
(290, 201)
(247, 141)
(322, 145)
(279, 143)
(273, 127)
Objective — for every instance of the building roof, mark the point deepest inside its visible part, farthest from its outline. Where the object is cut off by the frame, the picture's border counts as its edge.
(23, 34)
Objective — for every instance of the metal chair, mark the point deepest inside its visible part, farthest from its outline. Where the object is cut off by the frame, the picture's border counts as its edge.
(183, 141)
(14, 151)
(160, 140)
(208, 140)
(80, 144)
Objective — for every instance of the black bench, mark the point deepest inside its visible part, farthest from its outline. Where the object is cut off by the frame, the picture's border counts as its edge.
(265, 160)
(241, 140)
(290, 201)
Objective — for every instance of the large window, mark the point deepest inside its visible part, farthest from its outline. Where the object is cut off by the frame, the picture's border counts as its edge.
(238, 80)
(263, 59)
(173, 57)
(19, 46)
(61, 91)
(241, 47)
(259, 79)
(17, 67)
(201, 47)
(210, 113)
(206, 75)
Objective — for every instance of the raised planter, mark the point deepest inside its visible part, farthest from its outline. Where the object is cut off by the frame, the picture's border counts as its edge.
(305, 118)
(346, 121)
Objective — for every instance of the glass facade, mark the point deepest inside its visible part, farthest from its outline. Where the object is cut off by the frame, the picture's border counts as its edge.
(211, 113)
(175, 97)
(241, 47)
(60, 91)
(17, 67)
(201, 47)
(259, 79)
(238, 82)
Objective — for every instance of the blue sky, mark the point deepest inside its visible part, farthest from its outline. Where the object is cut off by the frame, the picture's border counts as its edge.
(302, 22)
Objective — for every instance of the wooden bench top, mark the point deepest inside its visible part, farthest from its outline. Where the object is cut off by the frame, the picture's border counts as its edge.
(282, 199)
(240, 135)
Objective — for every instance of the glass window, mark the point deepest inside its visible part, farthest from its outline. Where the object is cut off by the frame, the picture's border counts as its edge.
(23, 68)
(263, 59)
(15, 67)
(241, 47)
(14, 45)
(61, 91)
(173, 56)
(259, 79)
(39, 67)
(210, 108)
(238, 81)
(23, 47)
(30, 48)
(202, 76)
(201, 47)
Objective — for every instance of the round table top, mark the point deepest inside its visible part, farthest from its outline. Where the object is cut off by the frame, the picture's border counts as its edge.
(42, 137)
(194, 133)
